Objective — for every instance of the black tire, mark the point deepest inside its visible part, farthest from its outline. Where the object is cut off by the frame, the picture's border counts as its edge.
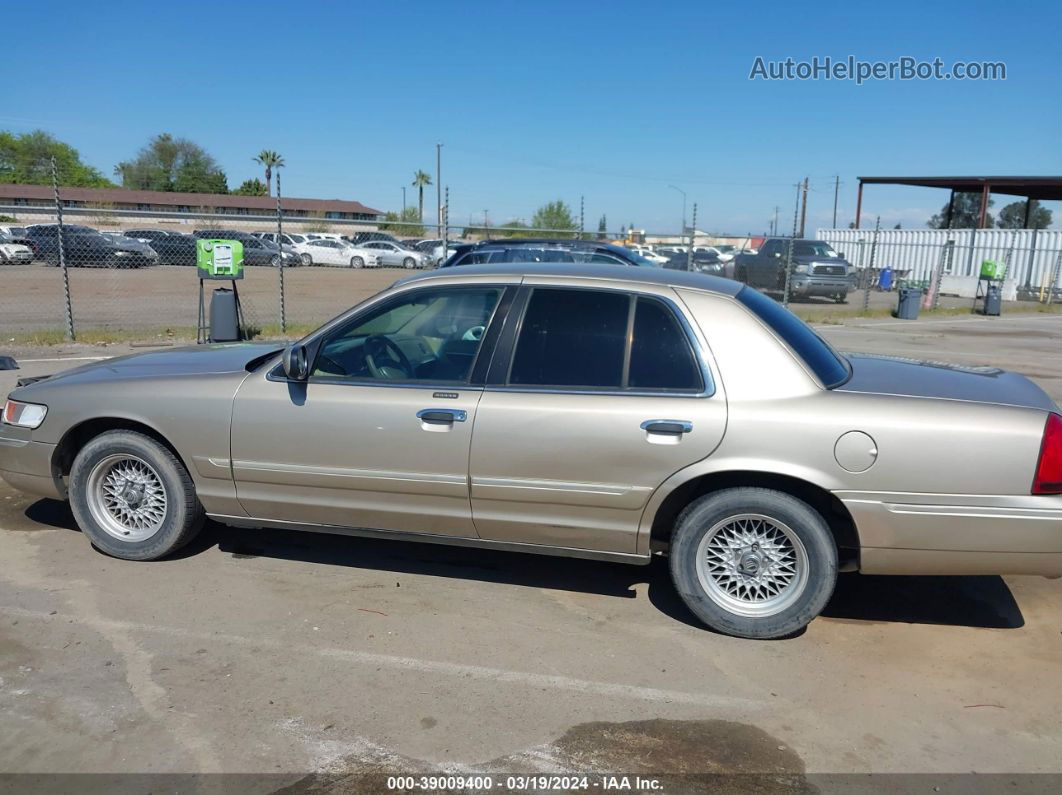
(409, 263)
(275, 261)
(183, 516)
(306, 259)
(842, 298)
(820, 560)
(357, 262)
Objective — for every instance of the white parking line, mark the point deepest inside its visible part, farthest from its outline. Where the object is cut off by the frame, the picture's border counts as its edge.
(372, 659)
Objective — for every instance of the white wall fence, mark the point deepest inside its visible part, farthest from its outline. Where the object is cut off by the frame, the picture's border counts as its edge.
(1032, 255)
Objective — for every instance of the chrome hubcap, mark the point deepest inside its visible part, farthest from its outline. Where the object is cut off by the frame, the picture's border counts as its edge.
(752, 565)
(126, 497)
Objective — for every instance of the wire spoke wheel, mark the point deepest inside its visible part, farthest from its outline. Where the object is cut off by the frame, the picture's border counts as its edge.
(752, 565)
(126, 497)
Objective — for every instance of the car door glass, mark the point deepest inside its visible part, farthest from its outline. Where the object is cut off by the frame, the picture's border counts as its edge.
(661, 357)
(426, 335)
(572, 338)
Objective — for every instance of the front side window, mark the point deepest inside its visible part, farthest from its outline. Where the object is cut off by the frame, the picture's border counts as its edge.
(426, 335)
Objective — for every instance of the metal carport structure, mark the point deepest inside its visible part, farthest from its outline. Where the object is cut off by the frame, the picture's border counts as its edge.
(1029, 188)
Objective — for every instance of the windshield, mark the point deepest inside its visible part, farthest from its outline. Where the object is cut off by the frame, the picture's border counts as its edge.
(829, 366)
(813, 248)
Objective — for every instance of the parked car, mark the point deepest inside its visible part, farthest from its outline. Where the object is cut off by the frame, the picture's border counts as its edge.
(147, 235)
(817, 269)
(364, 237)
(576, 410)
(175, 249)
(700, 262)
(335, 252)
(392, 255)
(256, 251)
(132, 244)
(13, 232)
(726, 251)
(545, 250)
(12, 253)
(84, 247)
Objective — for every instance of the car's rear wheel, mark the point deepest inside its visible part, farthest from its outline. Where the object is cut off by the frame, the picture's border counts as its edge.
(306, 259)
(409, 262)
(357, 262)
(753, 562)
(132, 497)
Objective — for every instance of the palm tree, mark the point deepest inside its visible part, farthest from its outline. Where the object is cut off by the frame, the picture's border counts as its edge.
(421, 180)
(271, 160)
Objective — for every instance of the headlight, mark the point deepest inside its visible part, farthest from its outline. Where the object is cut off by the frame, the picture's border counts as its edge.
(800, 269)
(122, 253)
(24, 415)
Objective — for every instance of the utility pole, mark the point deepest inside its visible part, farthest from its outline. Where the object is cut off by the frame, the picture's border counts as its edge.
(774, 228)
(438, 186)
(836, 190)
(403, 201)
(804, 207)
(582, 208)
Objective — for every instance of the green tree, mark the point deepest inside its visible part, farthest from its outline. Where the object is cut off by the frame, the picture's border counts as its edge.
(557, 217)
(1013, 216)
(252, 187)
(26, 159)
(269, 160)
(404, 224)
(965, 213)
(421, 180)
(173, 164)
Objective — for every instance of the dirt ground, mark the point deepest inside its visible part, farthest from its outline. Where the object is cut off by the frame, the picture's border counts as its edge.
(324, 664)
(163, 301)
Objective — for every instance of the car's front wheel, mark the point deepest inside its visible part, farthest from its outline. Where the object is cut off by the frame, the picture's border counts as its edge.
(409, 262)
(753, 562)
(357, 262)
(132, 497)
(306, 259)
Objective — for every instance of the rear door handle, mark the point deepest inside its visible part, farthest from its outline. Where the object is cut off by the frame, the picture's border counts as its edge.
(669, 427)
(442, 416)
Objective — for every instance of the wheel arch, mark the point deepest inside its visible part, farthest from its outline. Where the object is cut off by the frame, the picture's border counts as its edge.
(838, 518)
(77, 436)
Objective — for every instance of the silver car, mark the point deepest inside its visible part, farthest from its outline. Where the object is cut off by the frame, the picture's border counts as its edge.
(393, 255)
(579, 410)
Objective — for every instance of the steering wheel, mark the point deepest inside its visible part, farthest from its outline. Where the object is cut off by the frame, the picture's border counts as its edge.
(377, 345)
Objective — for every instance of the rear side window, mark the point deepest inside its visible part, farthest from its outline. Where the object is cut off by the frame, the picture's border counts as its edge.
(572, 338)
(591, 339)
(661, 357)
(830, 368)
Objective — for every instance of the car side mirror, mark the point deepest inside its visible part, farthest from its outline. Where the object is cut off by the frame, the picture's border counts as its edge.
(295, 362)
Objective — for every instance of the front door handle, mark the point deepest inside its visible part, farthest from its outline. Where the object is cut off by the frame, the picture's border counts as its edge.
(669, 427)
(442, 416)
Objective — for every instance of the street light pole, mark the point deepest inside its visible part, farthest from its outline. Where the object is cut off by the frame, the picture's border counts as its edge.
(680, 190)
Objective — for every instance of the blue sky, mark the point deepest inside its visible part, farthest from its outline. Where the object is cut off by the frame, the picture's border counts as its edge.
(538, 101)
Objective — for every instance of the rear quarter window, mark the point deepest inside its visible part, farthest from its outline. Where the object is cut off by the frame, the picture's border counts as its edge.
(830, 367)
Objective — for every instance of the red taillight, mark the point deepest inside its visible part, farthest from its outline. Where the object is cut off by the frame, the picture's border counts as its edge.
(1048, 478)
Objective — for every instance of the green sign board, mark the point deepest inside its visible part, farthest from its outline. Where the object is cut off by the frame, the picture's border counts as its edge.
(993, 270)
(219, 259)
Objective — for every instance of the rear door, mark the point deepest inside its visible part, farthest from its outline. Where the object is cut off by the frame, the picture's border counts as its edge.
(596, 396)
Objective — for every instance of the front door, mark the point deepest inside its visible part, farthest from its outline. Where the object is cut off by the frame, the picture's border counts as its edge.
(379, 435)
(606, 396)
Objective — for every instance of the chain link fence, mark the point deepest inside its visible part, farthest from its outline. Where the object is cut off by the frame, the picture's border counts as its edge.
(93, 272)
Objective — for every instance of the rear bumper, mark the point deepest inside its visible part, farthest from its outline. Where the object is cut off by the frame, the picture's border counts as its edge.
(949, 534)
(27, 465)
